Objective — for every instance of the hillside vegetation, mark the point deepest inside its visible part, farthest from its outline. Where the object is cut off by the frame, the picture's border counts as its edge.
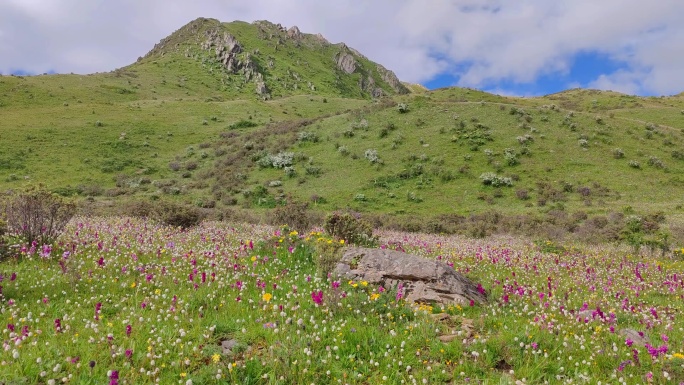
(226, 115)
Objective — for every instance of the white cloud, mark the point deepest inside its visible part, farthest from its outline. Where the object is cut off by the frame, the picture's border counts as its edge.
(481, 42)
(620, 81)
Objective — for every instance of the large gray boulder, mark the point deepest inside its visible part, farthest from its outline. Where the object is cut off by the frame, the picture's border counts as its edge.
(424, 280)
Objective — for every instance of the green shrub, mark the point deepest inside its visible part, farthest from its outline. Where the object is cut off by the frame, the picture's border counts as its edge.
(645, 231)
(549, 247)
(293, 214)
(166, 212)
(36, 214)
(655, 162)
(4, 246)
(491, 179)
(306, 136)
(372, 156)
(327, 255)
(511, 157)
(242, 124)
(351, 229)
(679, 253)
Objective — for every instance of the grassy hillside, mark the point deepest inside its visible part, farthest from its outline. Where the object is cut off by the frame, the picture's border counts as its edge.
(433, 156)
(235, 114)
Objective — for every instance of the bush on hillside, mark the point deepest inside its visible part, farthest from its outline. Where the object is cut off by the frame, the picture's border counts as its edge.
(166, 212)
(327, 256)
(36, 214)
(491, 179)
(4, 242)
(293, 214)
(351, 229)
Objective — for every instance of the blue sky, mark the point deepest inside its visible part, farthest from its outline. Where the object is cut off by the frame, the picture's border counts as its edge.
(522, 47)
(584, 68)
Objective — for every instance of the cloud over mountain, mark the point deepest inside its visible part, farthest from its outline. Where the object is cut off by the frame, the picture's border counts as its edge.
(481, 44)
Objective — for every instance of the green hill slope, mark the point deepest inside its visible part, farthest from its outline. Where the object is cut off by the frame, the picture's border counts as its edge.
(225, 114)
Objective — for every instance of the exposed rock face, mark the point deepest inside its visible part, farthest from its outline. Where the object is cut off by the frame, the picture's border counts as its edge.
(293, 33)
(368, 84)
(390, 78)
(346, 62)
(261, 88)
(321, 39)
(230, 53)
(225, 47)
(423, 280)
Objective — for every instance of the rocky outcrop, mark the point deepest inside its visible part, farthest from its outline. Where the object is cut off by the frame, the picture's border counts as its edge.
(368, 85)
(390, 78)
(229, 52)
(226, 49)
(421, 280)
(293, 33)
(261, 88)
(321, 39)
(346, 62)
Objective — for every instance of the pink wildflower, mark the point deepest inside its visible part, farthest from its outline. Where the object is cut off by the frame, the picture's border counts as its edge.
(317, 297)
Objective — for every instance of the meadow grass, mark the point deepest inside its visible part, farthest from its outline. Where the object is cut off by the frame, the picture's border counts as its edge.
(124, 300)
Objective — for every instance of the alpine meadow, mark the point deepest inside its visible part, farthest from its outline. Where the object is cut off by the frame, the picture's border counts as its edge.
(251, 204)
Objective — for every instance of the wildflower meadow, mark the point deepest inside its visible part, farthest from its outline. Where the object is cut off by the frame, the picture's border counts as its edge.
(128, 301)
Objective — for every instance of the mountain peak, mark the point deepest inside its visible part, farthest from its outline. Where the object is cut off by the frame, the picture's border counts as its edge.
(270, 60)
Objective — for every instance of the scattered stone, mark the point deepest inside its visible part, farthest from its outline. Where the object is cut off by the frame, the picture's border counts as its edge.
(228, 345)
(467, 327)
(440, 317)
(638, 339)
(261, 88)
(423, 280)
(447, 338)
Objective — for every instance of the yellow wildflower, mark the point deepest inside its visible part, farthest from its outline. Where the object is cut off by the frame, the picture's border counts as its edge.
(266, 297)
(374, 296)
(216, 357)
(253, 258)
(183, 375)
(133, 285)
(364, 283)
